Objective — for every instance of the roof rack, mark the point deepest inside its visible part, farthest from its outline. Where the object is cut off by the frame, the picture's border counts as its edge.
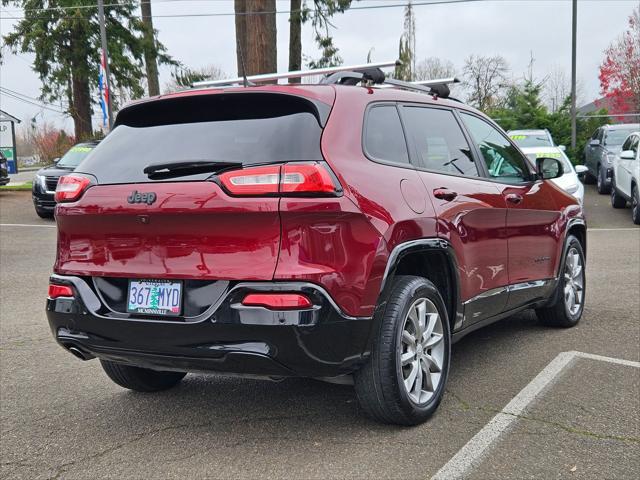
(269, 77)
(368, 74)
(375, 76)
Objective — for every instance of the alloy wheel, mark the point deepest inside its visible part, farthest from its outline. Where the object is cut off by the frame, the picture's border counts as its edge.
(573, 281)
(422, 351)
(634, 203)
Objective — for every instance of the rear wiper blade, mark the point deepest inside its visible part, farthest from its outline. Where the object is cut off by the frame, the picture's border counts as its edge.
(186, 167)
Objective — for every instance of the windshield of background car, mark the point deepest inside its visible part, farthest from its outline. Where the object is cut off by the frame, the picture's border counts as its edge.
(618, 136)
(531, 140)
(247, 128)
(74, 156)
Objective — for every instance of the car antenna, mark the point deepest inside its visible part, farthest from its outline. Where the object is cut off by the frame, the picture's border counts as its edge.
(245, 80)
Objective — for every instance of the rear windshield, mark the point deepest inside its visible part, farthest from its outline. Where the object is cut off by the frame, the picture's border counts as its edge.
(246, 128)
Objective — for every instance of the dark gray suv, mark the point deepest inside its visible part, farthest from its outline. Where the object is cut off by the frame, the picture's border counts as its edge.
(601, 149)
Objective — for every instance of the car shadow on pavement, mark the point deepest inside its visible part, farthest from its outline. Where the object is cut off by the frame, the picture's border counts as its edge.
(212, 401)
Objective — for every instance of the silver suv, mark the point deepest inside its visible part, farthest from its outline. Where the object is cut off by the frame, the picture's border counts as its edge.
(602, 148)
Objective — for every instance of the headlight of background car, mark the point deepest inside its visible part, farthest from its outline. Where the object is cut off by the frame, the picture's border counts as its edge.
(41, 182)
(610, 157)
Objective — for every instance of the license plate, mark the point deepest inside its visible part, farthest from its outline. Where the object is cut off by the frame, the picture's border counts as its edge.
(155, 297)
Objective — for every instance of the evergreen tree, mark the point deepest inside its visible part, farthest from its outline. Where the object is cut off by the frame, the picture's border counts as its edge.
(63, 35)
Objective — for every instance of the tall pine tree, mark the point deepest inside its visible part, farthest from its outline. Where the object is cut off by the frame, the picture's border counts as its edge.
(63, 36)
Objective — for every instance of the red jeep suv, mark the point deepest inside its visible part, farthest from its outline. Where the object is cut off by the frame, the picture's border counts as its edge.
(348, 233)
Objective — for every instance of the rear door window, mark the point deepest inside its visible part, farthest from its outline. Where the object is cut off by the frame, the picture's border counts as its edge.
(383, 136)
(438, 141)
(245, 128)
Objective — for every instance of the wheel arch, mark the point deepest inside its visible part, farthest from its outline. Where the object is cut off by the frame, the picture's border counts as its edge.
(433, 259)
(578, 229)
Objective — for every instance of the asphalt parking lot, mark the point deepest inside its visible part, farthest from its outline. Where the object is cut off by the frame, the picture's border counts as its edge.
(62, 418)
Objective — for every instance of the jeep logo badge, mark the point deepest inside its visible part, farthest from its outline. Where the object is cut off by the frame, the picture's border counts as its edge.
(137, 197)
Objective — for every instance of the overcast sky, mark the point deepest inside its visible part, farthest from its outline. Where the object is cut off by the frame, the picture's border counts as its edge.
(514, 29)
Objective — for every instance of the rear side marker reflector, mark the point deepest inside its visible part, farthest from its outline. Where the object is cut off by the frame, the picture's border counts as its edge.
(56, 291)
(71, 188)
(277, 301)
(290, 178)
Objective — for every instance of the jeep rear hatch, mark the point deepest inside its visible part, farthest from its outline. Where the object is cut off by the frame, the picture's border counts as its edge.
(189, 187)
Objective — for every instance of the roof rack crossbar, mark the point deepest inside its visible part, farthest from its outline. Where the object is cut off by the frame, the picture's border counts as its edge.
(269, 77)
(438, 81)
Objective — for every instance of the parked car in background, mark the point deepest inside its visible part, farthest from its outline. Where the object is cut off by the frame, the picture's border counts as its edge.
(569, 180)
(532, 138)
(601, 149)
(46, 179)
(625, 175)
(331, 231)
(4, 169)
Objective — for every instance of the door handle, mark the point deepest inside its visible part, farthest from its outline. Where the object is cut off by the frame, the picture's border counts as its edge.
(514, 198)
(444, 194)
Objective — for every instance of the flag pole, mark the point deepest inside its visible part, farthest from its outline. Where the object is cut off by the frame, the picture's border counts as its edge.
(105, 59)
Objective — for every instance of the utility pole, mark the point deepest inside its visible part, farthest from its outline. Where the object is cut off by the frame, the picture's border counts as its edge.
(574, 24)
(150, 53)
(105, 52)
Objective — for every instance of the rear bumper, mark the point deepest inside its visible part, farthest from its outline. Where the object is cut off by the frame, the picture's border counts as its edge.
(228, 338)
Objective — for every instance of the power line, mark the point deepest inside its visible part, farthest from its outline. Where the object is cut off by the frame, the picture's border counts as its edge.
(29, 97)
(277, 12)
(40, 105)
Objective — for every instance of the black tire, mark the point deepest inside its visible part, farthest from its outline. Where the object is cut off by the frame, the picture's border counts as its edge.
(616, 200)
(601, 184)
(557, 313)
(588, 179)
(635, 204)
(380, 382)
(141, 379)
(44, 213)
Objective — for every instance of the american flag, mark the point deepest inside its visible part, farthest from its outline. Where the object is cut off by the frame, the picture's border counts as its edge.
(104, 90)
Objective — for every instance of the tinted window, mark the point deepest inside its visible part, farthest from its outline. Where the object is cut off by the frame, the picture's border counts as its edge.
(503, 160)
(438, 141)
(231, 128)
(383, 136)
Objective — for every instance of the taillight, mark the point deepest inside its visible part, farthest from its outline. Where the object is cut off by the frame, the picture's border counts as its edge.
(277, 301)
(56, 291)
(71, 188)
(306, 178)
(252, 181)
(289, 178)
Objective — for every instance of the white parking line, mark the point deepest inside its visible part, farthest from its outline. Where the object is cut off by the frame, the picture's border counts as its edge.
(25, 225)
(613, 229)
(472, 452)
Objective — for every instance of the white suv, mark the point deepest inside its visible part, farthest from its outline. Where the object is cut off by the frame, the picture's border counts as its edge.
(624, 174)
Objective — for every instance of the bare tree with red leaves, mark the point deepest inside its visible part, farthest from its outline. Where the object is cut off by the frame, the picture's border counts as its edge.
(620, 71)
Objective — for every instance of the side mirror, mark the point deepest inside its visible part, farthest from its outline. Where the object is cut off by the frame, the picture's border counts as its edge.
(56, 160)
(580, 169)
(562, 147)
(628, 155)
(594, 142)
(549, 168)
